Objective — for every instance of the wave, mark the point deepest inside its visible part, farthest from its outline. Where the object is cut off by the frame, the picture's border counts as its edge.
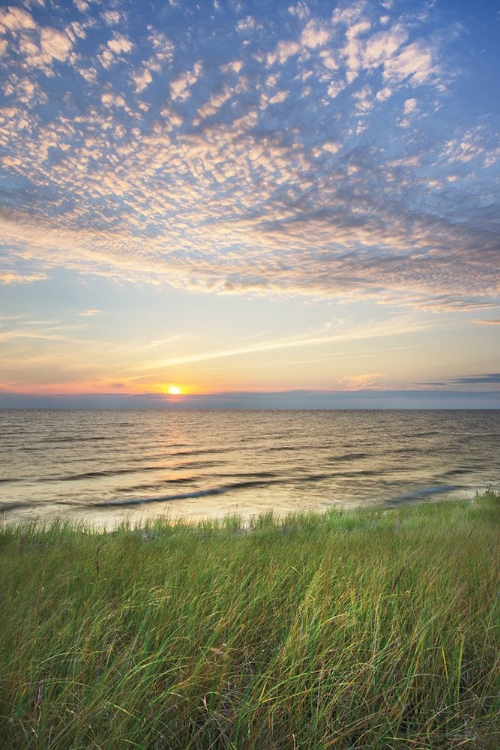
(423, 492)
(247, 475)
(75, 439)
(427, 433)
(348, 457)
(312, 478)
(7, 507)
(99, 474)
(160, 498)
(200, 452)
(161, 483)
(297, 447)
(194, 465)
(221, 490)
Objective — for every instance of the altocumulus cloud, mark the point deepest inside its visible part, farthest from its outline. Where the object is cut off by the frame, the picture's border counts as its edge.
(297, 149)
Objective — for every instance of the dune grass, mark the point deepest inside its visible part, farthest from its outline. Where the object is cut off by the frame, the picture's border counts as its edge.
(363, 629)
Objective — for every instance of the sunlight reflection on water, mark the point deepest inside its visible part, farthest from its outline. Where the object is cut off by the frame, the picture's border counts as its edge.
(106, 466)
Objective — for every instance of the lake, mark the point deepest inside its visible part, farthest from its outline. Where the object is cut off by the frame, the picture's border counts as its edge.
(104, 466)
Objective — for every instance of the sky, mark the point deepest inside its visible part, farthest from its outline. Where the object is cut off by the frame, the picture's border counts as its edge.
(286, 204)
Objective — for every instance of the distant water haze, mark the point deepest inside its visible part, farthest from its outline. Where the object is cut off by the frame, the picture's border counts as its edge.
(105, 466)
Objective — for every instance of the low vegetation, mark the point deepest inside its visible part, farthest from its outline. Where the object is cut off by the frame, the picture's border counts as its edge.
(360, 629)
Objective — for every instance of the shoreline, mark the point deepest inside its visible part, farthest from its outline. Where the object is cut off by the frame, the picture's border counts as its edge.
(188, 508)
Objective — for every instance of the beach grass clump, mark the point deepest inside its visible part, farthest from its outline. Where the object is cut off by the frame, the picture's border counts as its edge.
(352, 629)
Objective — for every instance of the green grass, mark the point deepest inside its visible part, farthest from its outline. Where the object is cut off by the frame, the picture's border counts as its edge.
(364, 629)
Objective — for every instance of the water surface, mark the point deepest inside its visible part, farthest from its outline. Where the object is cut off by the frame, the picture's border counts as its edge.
(104, 466)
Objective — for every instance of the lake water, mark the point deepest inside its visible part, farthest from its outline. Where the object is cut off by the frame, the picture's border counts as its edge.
(105, 466)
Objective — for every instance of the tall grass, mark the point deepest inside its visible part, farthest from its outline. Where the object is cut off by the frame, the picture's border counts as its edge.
(363, 629)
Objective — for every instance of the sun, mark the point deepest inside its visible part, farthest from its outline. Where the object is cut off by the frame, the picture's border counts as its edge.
(174, 390)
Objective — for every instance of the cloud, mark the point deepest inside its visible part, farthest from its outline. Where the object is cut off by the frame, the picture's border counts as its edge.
(475, 379)
(331, 147)
(311, 339)
(111, 100)
(335, 88)
(410, 106)
(489, 321)
(179, 88)
(215, 102)
(16, 19)
(382, 252)
(490, 378)
(224, 178)
(120, 43)
(88, 74)
(301, 10)
(172, 118)
(361, 382)
(284, 49)
(76, 30)
(315, 34)
(234, 66)
(246, 24)
(414, 64)
(348, 15)
(163, 50)
(55, 43)
(383, 45)
(40, 46)
(141, 79)
(466, 148)
(384, 94)
(278, 98)
(111, 17)
(12, 277)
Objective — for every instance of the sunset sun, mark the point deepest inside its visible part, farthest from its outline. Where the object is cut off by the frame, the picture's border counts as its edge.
(174, 390)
